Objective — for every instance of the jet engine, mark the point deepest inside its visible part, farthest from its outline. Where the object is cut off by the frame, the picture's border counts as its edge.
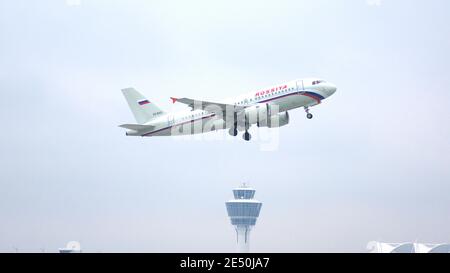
(278, 120)
(266, 116)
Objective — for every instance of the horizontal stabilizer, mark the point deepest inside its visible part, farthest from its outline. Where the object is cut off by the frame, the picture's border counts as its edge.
(137, 127)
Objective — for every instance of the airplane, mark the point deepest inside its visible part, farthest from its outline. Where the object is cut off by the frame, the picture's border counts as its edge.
(266, 107)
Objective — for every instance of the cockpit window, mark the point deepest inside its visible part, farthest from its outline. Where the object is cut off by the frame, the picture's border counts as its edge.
(317, 82)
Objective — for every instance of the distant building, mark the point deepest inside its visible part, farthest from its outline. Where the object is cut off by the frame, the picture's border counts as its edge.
(243, 211)
(380, 247)
(71, 247)
(431, 248)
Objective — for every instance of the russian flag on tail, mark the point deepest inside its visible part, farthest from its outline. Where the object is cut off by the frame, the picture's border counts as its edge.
(143, 102)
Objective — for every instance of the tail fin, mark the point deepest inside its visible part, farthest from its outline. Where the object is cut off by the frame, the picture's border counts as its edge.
(143, 109)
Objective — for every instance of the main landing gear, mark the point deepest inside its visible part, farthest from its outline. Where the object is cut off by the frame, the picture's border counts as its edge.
(233, 131)
(247, 136)
(308, 114)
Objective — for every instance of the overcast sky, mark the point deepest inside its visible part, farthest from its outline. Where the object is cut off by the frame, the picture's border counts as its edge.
(373, 164)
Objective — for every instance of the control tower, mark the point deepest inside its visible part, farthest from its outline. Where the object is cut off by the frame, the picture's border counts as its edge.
(243, 211)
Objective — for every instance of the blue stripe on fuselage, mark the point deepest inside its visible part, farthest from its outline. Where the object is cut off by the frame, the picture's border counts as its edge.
(168, 127)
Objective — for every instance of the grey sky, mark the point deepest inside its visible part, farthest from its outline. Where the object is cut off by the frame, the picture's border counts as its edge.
(372, 165)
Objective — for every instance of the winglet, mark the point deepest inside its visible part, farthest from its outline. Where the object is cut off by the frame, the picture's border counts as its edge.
(173, 99)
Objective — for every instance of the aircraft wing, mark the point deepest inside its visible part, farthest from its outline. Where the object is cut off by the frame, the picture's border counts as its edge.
(213, 107)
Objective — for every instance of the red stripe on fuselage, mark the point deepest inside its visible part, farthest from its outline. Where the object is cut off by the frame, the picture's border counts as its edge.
(290, 94)
(312, 97)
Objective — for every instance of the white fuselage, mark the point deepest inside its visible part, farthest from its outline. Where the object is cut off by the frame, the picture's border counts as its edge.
(286, 96)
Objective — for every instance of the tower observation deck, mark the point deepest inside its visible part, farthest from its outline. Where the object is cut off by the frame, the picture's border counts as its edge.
(243, 211)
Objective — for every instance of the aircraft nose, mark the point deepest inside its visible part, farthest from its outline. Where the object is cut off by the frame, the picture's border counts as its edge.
(331, 89)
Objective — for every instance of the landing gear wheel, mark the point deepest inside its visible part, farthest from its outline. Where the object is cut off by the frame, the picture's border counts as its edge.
(246, 136)
(308, 114)
(233, 132)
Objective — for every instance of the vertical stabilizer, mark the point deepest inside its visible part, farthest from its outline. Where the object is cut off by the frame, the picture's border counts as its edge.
(142, 109)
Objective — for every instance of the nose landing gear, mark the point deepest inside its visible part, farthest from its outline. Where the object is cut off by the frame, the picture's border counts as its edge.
(308, 114)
